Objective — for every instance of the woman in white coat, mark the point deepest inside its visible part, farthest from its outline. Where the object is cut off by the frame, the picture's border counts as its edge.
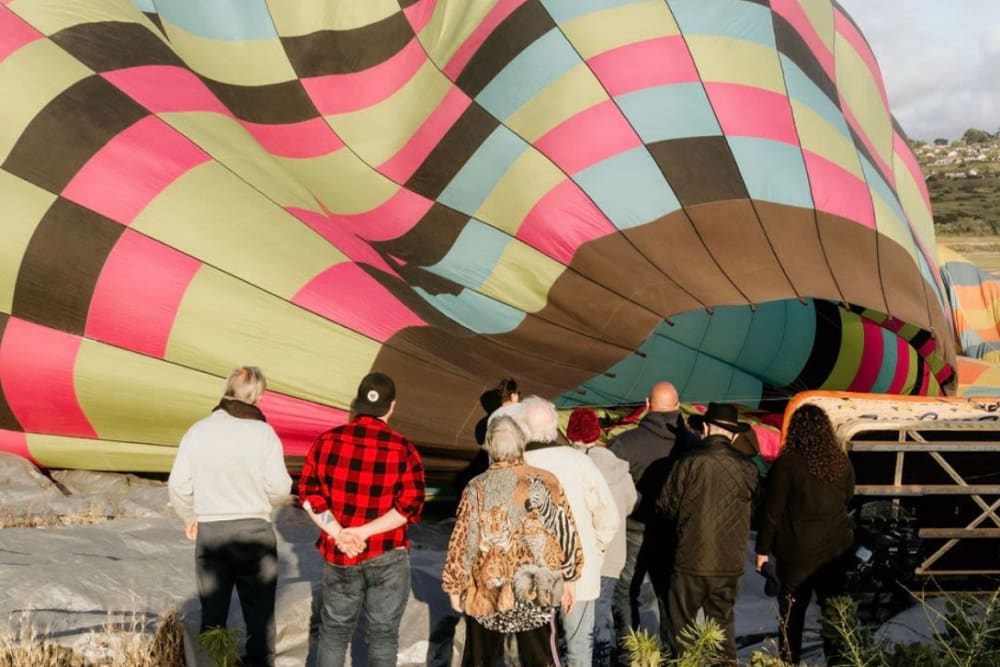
(584, 431)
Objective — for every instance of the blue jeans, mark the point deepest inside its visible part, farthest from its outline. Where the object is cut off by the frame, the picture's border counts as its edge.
(605, 642)
(380, 585)
(578, 627)
(626, 605)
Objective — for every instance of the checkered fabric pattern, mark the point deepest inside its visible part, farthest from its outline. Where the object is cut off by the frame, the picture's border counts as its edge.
(449, 192)
(360, 471)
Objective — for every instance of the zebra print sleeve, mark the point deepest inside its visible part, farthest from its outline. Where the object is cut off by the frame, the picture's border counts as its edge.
(573, 559)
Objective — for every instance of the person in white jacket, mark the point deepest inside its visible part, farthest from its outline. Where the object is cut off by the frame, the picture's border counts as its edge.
(584, 432)
(228, 474)
(594, 510)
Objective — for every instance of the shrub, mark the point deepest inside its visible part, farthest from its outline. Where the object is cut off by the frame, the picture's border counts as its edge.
(222, 644)
(643, 649)
(701, 644)
(970, 638)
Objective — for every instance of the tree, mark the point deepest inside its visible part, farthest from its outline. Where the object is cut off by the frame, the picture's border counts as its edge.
(974, 136)
(940, 141)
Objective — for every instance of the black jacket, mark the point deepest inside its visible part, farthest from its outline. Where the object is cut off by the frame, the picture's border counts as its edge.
(650, 450)
(804, 521)
(707, 497)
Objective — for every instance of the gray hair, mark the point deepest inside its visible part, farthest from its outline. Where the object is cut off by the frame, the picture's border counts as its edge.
(504, 440)
(539, 420)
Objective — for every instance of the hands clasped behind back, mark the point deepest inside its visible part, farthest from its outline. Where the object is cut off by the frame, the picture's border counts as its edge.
(350, 542)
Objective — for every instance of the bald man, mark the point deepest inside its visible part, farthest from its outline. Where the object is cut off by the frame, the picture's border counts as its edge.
(650, 450)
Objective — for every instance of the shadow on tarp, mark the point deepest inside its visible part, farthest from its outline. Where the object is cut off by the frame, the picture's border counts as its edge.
(442, 621)
(297, 597)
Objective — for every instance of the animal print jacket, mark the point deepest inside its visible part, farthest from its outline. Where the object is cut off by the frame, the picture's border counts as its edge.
(513, 546)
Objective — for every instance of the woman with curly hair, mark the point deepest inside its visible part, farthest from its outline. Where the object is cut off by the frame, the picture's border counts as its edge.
(805, 523)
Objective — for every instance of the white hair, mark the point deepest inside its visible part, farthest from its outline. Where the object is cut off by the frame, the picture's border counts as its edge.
(539, 420)
(504, 439)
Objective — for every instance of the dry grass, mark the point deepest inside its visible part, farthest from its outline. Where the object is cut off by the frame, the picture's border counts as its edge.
(96, 513)
(134, 644)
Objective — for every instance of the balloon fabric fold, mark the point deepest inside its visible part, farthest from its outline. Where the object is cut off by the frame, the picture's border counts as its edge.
(589, 196)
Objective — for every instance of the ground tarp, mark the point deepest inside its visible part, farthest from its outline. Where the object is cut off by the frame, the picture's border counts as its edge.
(71, 581)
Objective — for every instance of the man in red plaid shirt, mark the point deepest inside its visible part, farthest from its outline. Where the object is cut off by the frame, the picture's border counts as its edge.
(362, 483)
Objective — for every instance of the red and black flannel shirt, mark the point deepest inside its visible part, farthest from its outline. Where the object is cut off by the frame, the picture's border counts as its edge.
(360, 471)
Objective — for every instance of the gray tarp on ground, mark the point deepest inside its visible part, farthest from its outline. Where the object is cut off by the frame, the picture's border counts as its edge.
(72, 580)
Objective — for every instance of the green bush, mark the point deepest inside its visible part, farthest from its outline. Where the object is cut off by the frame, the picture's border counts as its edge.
(222, 644)
(643, 649)
(701, 644)
(969, 636)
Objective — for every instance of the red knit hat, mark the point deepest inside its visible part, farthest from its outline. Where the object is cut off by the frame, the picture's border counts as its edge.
(583, 426)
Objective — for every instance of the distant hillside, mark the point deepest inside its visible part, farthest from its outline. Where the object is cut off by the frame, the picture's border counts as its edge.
(964, 186)
(969, 206)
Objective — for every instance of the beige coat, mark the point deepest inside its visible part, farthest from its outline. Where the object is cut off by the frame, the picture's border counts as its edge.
(622, 487)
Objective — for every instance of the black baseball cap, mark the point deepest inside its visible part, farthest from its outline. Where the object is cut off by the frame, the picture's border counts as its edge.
(376, 393)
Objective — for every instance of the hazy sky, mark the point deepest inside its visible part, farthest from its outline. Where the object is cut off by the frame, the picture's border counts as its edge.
(940, 60)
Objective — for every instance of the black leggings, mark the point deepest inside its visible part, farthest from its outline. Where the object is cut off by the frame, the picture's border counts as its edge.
(797, 590)
(536, 648)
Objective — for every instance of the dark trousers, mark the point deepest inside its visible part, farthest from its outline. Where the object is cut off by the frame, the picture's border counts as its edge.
(241, 553)
(656, 559)
(650, 551)
(797, 588)
(535, 648)
(381, 586)
(715, 595)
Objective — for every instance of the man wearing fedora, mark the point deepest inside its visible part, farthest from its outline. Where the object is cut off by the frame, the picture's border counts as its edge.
(707, 497)
(362, 483)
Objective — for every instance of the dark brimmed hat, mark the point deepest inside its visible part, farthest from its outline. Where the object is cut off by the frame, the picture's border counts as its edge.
(376, 393)
(725, 416)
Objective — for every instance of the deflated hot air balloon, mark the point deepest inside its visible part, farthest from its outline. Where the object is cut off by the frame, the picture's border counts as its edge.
(589, 195)
(974, 296)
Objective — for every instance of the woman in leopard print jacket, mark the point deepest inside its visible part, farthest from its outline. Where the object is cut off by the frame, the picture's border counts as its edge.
(514, 554)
